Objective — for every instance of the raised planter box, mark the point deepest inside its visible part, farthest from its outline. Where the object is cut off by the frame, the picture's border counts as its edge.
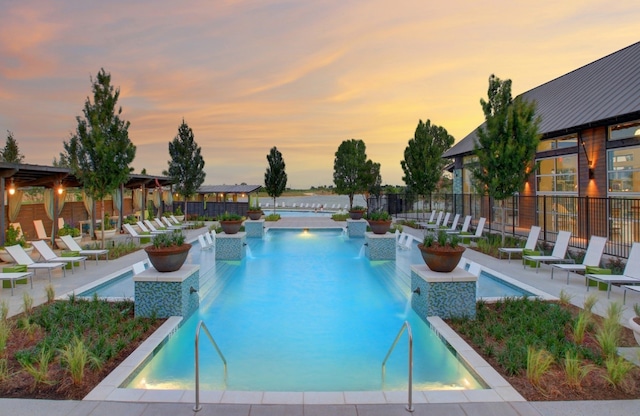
(231, 246)
(167, 294)
(356, 228)
(380, 246)
(447, 295)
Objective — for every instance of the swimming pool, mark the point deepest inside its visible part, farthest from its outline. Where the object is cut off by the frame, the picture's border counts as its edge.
(304, 313)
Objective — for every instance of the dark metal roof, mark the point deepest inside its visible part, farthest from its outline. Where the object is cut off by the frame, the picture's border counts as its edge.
(603, 92)
(228, 189)
(26, 175)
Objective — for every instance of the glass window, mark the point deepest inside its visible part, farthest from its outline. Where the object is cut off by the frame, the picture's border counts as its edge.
(623, 166)
(563, 142)
(624, 130)
(558, 175)
(467, 185)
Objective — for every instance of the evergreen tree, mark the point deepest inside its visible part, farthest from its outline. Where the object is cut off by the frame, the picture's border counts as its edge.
(506, 144)
(186, 167)
(99, 153)
(275, 178)
(423, 162)
(11, 152)
(350, 165)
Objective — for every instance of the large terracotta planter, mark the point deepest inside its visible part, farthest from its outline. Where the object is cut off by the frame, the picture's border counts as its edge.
(635, 327)
(379, 227)
(356, 214)
(231, 227)
(168, 259)
(441, 259)
(254, 215)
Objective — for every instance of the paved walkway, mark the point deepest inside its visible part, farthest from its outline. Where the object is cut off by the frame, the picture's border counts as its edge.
(514, 269)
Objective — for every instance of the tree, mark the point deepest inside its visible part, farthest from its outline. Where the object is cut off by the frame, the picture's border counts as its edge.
(99, 153)
(11, 152)
(186, 167)
(373, 181)
(506, 144)
(275, 178)
(423, 162)
(350, 166)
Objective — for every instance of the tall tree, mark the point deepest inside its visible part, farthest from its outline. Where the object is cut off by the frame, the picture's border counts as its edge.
(275, 178)
(373, 181)
(186, 167)
(423, 162)
(11, 152)
(350, 169)
(99, 152)
(506, 144)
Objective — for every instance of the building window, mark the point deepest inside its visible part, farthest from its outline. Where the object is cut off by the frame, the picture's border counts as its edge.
(468, 163)
(555, 143)
(558, 175)
(623, 171)
(624, 130)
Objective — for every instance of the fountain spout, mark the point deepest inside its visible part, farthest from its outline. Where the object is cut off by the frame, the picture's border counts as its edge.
(417, 291)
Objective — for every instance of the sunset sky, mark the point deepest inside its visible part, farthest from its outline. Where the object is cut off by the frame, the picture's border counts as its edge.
(299, 75)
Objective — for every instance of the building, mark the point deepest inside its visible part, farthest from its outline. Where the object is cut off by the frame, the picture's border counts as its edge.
(588, 176)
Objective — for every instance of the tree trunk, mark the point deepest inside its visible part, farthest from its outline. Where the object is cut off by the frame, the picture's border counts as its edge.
(274, 205)
(504, 218)
(185, 207)
(102, 222)
(350, 201)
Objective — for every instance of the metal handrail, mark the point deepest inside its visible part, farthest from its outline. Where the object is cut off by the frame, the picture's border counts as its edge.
(201, 324)
(406, 326)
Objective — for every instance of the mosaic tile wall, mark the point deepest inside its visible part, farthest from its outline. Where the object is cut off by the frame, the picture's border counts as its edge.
(167, 298)
(443, 299)
(380, 247)
(254, 229)
(356, 228)
(231, 247)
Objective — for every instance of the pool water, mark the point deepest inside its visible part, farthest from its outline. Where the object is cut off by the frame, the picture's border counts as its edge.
(304, 312)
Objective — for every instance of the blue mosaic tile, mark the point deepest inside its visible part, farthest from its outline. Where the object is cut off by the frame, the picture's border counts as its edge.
(165, 299)
(254, 229)
(231, 247)
(380, 247)
(443, 299)
(356, 228)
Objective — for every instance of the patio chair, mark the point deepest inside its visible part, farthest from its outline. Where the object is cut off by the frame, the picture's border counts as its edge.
(40, 231)
(14, 276)
(22, 258)
(454, 224)
(558, 255)
(432, 225)
(630, 275)
(134, 234)
(465, 226)
(50, 256)
(171, 225)
(144, 229)
(73, 246)
(168, 226)
(591, 258)
(478, 233)
(532, 241)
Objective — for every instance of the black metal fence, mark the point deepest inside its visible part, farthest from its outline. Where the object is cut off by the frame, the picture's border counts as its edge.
(618, 219)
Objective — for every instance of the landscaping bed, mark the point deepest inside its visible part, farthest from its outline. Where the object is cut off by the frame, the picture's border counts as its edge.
(63, 349)
(502, 333)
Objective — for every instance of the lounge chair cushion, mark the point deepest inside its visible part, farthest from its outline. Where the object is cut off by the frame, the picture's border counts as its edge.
(465, 240)
(597, 270)
(18, 268)
(527, 252)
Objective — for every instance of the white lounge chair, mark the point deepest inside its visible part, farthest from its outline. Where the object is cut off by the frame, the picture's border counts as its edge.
(591, 258)
(153, 231)
(51, 257)
(532, 241)
(454, 224)
(12, 277)
(163, 223)
(175, 220)
(630, 275)
(73, 246)
(479, 230)
(445, 221)
(22, 258)
(465, 226)
(432, 225)
(40, 231)
(134, 234)
(558, 255)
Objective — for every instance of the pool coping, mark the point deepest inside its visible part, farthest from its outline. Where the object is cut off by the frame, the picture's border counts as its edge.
(499, 389)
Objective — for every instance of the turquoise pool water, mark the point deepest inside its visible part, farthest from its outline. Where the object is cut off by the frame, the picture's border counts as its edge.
(303, 312)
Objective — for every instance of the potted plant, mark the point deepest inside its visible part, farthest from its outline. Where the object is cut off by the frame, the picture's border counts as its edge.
(12, 237)
(109, 230)
(179, 214)
(379, 221)
(356, 212)
(230, 222)
(71, 231)
(634, 323)
(441, 253)
(168, 251)
(254, 212)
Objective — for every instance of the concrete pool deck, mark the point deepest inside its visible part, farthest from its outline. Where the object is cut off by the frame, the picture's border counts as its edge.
(368, 403)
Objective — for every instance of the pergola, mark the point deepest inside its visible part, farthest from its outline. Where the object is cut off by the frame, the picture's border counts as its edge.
(17, 175)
